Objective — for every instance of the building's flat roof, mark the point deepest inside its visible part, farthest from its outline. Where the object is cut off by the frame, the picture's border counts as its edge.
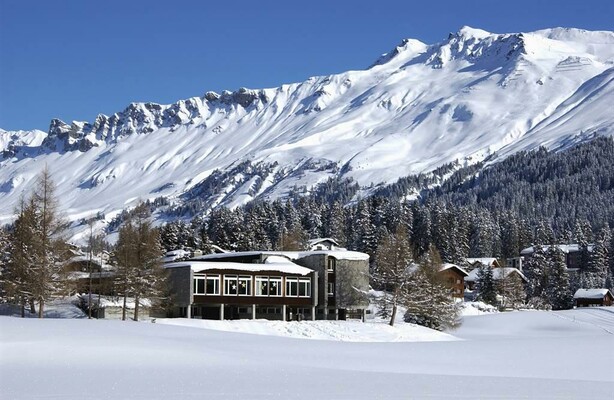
(287, 267)
(292, 255)
(565, 248)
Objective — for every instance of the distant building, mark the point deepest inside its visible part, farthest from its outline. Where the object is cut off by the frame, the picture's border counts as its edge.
(453, 277)
(593, 297)
(572, 254)
(491, 262)
(323, 244)
(498, 274)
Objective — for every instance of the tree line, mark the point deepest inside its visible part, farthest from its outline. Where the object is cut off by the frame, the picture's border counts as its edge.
(35, 253)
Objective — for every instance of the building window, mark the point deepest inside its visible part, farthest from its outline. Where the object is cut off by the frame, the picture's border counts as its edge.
(304, 287)
(230, 285)
(268, 286)
(291, 287)
(207, 284)
(199, 284)
(331, 288)
(245, 286)
(275, 286)
(331, 265)
(262, 286)
(213, 285)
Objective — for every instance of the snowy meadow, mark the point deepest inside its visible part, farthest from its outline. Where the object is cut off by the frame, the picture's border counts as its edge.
(517, 355)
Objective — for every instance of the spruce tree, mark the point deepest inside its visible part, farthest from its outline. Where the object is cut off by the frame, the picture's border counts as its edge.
(536, 270)
(487, 291)
(558, 290)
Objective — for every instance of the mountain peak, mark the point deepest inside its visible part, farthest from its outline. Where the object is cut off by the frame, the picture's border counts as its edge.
(468, 32)
(410, 47)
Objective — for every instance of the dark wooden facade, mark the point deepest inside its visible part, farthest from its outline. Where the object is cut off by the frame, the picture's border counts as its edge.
(454, 279)
(606, 300)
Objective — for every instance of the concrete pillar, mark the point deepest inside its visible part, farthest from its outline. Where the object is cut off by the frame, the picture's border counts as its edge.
(325, 313)
(188, 312)
(313, 313)
(283, 312)
(336, 314)
(253, 311)
(221, 312)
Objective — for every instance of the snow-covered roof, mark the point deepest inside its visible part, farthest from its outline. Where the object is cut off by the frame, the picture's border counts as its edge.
(483, 260)
(313, 242)
(497, 273)
(276, 265)
(73, 275)
(452, 266)
(565, 248)
(173, 255)
(591, 293)
(292, 255)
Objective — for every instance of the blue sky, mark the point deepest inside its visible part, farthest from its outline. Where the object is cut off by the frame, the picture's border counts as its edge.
(73, 59)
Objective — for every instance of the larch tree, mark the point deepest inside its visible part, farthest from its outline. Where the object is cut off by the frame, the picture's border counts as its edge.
(35, 269)
(49, 244)
(392, 273)
(428, 301)
(137, 254)
(511, 289)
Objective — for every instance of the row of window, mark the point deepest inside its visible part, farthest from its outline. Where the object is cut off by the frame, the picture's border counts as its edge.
(238, 285)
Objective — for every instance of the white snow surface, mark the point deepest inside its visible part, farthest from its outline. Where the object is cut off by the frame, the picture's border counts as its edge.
(517, 355)
(416, 108)
(590, 293)
(287, 267)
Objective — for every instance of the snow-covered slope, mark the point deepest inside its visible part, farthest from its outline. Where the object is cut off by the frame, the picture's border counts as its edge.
(417, 107)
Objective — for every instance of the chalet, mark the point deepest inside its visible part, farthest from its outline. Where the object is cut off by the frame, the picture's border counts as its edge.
(321, 284)
(323, 244)
(475, 263)
(82, 271)
(593, 297)
(453, 277)
(498, 275)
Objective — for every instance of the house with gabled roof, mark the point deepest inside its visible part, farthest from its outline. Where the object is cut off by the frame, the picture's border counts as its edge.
(498, 274)
(474, 262)
(453, 277)
(593, 297)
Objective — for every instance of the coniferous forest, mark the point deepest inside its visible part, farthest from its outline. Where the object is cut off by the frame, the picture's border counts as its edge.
(538, 197)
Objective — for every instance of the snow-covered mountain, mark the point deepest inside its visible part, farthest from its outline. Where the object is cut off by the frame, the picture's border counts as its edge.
(417, 107)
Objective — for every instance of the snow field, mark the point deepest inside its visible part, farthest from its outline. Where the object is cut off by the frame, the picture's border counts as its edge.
(517, 355)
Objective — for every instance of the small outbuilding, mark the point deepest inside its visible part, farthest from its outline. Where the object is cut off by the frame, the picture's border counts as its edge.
(593, 297)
